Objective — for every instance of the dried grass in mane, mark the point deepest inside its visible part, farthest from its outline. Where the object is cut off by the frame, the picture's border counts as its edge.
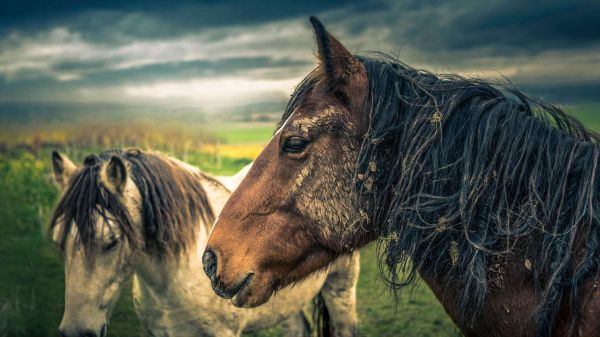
(469, 173)
(172, 204)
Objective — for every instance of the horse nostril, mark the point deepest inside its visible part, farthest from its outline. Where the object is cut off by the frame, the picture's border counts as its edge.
(84, 333)
(209, 260)
(88, 333)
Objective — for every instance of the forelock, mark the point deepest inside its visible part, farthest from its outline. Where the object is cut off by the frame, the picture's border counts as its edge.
(87, 204)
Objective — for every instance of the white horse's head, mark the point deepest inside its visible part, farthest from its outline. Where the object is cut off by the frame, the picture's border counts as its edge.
(116, 209)
(96, 250)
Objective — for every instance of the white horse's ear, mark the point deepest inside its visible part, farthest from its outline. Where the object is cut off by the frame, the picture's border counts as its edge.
(113, 175)
(63, 169)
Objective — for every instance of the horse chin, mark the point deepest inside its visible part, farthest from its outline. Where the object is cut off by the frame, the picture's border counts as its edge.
(254, 294)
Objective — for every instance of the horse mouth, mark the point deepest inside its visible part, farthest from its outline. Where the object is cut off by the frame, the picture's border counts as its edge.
(242, 292)
(238, 293)
(252, 294)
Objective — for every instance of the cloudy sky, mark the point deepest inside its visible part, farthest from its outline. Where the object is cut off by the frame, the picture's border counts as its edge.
(216, 54)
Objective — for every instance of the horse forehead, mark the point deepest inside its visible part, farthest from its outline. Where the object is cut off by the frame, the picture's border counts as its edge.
(132, 193)
(104, 227)
(58, 229)
(108, 227)
(324, 115)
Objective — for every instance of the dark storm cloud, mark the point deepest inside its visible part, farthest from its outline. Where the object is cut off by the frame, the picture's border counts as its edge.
(82, 65)
(532, 42)
(122, 21)
(100, 50)
(504, 27)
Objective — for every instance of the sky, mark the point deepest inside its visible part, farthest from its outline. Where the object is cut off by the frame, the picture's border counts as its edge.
(222, 54)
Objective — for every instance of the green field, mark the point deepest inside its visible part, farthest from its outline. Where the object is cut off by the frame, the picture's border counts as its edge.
(243, 133)
(588, 114)
(31, 271)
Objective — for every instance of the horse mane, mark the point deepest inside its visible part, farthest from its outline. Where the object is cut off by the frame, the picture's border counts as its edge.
(461, 175)
(478, 173)
(172, 202)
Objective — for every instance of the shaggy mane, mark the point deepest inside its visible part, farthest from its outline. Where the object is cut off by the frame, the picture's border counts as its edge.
(464, 175)
(172, 203)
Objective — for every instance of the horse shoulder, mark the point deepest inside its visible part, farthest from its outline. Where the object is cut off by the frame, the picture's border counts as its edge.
(507, 312)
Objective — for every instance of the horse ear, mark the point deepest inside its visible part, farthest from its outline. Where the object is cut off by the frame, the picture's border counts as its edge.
(113, 175)
(345, 74)
(63, 169)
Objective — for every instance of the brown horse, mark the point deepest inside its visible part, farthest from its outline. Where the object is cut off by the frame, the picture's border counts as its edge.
(491, 196)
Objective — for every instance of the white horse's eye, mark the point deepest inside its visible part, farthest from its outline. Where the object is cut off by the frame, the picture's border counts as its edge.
(110, 246)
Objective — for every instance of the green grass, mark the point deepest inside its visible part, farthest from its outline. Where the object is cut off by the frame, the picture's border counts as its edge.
(588, 114)
(207, 163)
(243, 133)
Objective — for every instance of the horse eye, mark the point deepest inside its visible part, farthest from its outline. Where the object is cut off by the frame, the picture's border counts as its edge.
(110, 246)
(295, 145)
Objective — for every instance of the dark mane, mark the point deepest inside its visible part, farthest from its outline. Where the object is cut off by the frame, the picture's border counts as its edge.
(172, 203)
(470, 174)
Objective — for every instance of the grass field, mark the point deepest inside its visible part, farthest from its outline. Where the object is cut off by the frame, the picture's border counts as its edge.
(588, 114)
(31, 271)
(243, 133)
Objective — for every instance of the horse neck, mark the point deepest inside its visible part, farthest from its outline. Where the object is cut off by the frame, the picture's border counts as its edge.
(513, 304)
(175, 272)
(162, 275)
(171, 295)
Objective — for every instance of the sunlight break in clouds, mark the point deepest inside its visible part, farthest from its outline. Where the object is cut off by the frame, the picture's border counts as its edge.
(214, 91)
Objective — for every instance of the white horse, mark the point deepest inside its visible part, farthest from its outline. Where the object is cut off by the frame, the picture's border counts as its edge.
(128, 212)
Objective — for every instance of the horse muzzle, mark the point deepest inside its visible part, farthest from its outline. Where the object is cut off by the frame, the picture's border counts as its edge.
(82, 332)
(238, 291)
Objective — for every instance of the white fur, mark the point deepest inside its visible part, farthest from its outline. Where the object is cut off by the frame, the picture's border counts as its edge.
(232, 182)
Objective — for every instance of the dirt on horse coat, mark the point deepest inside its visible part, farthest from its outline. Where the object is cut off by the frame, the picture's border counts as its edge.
(491, 196)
